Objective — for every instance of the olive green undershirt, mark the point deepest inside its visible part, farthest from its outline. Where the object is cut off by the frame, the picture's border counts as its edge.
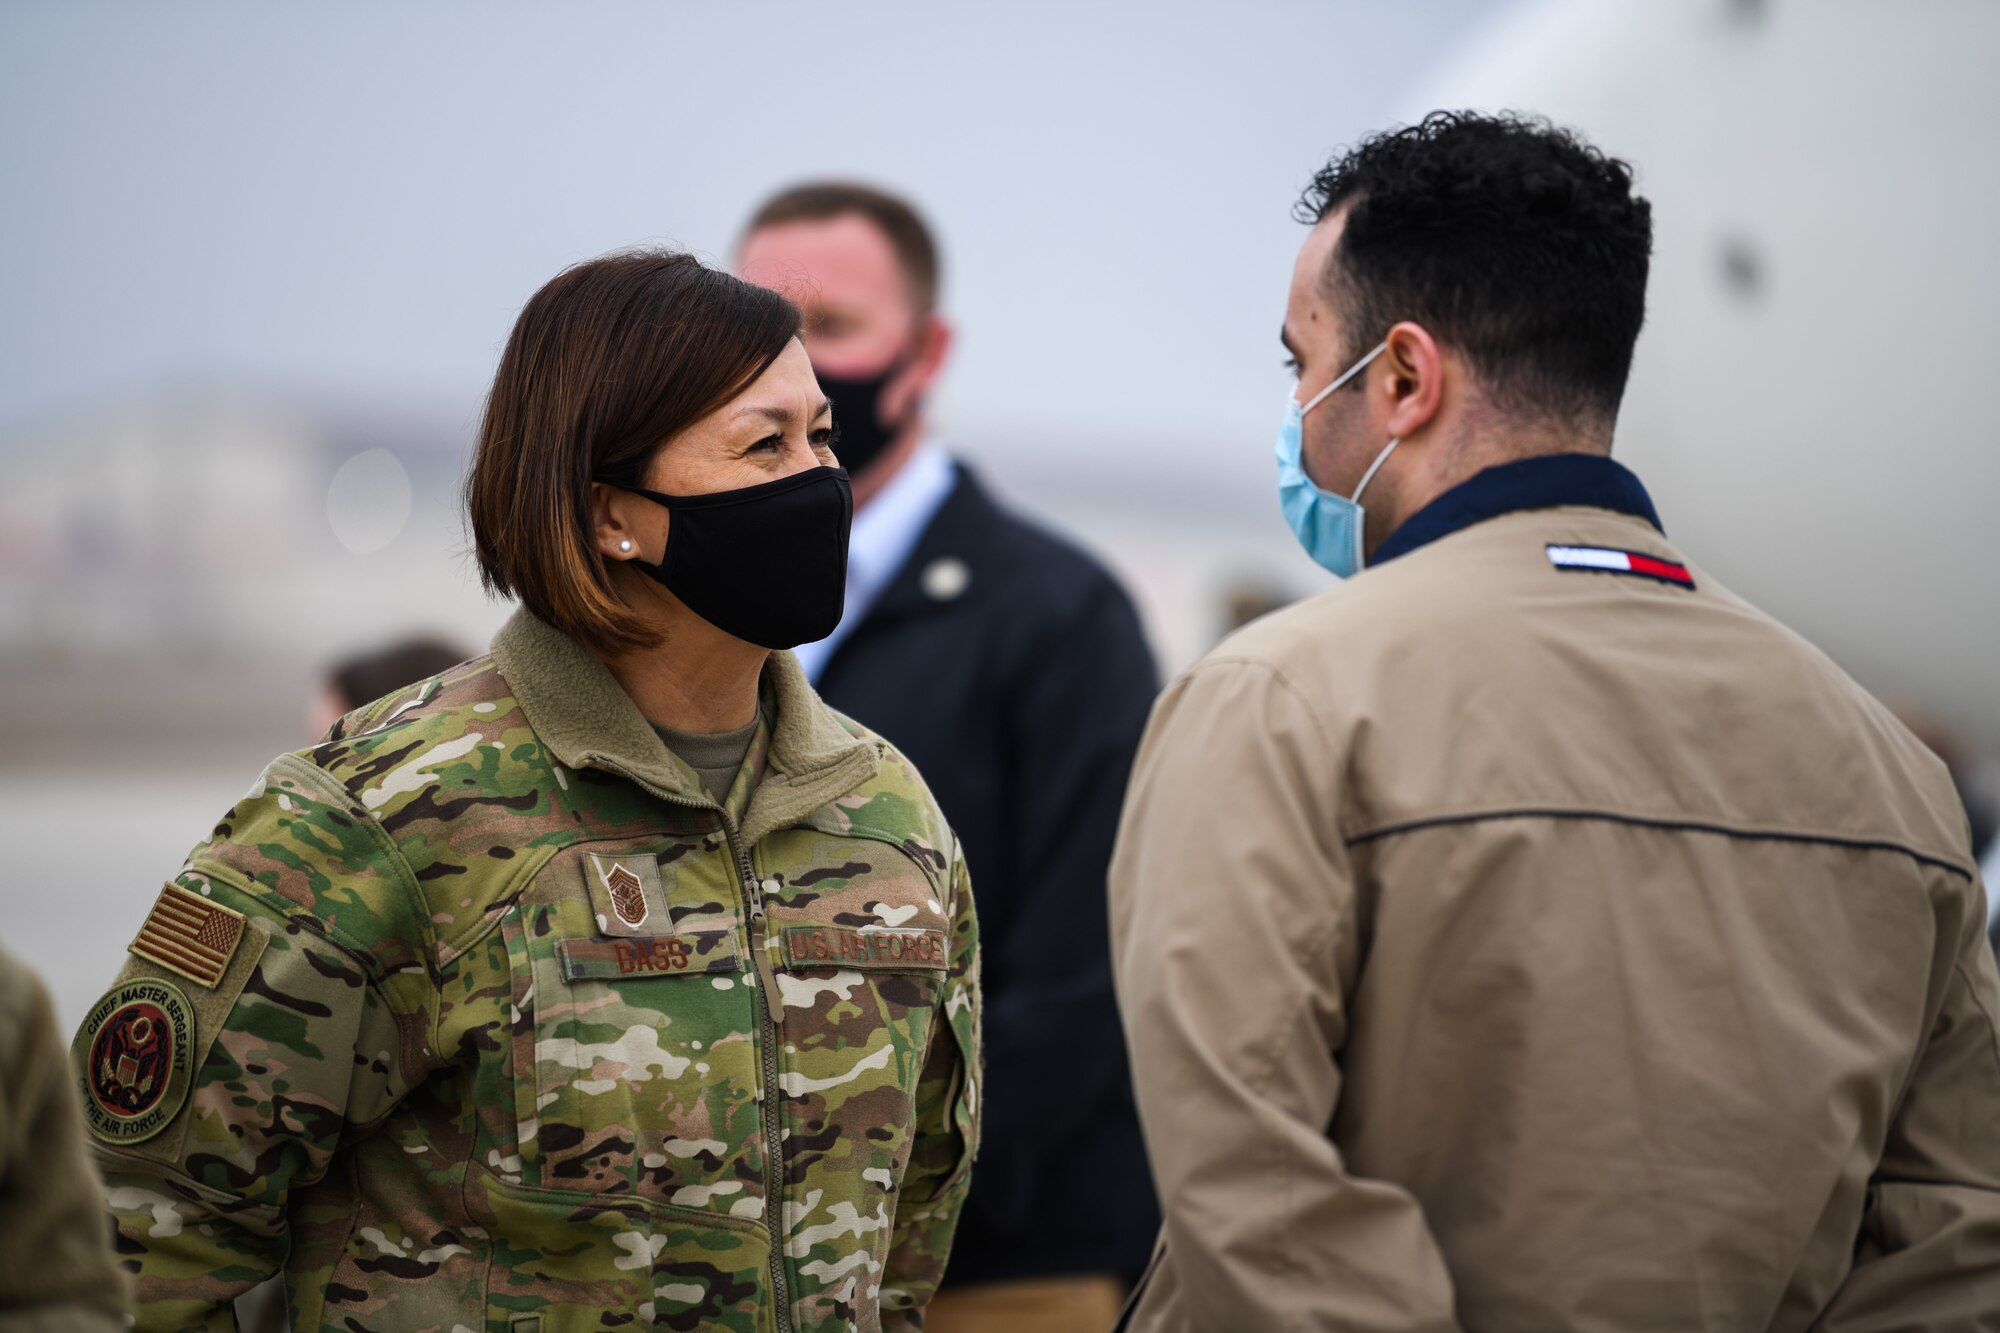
(716, 757)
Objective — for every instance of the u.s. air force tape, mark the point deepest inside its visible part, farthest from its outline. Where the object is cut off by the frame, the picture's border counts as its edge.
(138, 1047)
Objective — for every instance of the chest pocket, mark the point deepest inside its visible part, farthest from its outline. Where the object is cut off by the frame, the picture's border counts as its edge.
(860, 943)
(634, 1044)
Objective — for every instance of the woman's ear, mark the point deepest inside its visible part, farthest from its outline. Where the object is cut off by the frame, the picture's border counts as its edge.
(615, 518)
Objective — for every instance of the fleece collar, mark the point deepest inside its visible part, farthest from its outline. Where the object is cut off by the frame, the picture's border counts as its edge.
(585, 719)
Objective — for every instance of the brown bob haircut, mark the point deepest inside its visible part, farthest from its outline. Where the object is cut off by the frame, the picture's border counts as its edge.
(818, 201)
(608, 361)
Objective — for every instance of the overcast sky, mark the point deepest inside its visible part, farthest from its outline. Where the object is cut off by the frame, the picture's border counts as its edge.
(353, 201)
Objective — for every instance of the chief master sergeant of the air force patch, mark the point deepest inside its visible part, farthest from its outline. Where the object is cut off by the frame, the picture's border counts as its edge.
(136, 1054)
(138, 1045)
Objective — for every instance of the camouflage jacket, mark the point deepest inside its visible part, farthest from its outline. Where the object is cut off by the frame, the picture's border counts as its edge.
(480, 1016)
(56, 1269)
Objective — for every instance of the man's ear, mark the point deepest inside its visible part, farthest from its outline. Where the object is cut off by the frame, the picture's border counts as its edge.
(933, 345)
(1412, 378)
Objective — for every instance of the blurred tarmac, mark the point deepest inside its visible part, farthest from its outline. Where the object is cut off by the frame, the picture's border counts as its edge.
(109, 774)
(89, 852)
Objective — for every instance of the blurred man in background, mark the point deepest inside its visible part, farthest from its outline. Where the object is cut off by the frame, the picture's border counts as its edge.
(1528, 933)
(364, 677)
(57, 1272)
(1012, 669)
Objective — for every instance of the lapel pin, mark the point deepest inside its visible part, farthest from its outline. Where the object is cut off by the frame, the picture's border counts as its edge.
(946, 579)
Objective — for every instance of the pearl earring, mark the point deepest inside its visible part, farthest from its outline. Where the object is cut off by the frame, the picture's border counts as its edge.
(625, 545)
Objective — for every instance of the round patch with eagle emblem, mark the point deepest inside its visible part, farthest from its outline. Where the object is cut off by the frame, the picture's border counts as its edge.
(138, 1052)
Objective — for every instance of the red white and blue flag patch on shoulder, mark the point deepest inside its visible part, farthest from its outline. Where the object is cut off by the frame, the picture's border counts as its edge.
(1610, 560)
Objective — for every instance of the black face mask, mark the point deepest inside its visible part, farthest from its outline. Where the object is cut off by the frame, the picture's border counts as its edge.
(767, 563)
(857, 414)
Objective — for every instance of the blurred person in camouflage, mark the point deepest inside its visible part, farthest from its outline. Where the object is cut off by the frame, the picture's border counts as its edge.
(1527, 933)
(607, 980)
(57, 1273)
(1011, 666)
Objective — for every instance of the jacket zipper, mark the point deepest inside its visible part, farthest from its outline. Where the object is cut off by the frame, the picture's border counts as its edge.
(774, 1185)
(767, 1026)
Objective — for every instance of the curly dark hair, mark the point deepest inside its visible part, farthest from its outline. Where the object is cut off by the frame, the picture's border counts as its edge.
(1509, 239)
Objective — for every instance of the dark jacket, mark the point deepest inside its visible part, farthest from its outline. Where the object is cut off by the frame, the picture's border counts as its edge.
(1021, 696)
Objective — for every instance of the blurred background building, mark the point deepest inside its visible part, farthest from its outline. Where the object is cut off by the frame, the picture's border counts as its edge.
(256, 265)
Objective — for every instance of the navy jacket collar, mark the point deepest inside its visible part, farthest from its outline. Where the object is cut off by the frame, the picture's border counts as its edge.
(1552, 482)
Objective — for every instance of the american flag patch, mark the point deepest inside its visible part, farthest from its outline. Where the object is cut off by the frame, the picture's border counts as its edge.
(188, 934)
(1610, 560)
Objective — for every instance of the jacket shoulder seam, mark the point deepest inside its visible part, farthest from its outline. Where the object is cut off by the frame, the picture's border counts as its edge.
(449, 951)
(1669, 822)
(1277, 674)
(1258, 1075)
(290, 913)
(443, 949)
(938, 880)
(330, 788)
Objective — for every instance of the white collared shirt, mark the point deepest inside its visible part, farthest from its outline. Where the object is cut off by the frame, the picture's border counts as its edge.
(884, 534)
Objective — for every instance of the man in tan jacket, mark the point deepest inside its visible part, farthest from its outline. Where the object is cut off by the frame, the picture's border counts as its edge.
(1529, 934)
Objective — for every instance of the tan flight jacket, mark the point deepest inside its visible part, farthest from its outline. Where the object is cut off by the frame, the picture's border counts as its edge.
(1506, 947)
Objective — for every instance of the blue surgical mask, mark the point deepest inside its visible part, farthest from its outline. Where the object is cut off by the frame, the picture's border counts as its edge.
(1328, 526)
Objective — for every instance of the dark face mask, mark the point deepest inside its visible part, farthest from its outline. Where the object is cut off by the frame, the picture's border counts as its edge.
(766, 563)
(857, 413)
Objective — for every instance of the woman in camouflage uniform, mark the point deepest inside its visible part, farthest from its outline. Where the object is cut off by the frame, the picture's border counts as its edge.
(609, 980)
